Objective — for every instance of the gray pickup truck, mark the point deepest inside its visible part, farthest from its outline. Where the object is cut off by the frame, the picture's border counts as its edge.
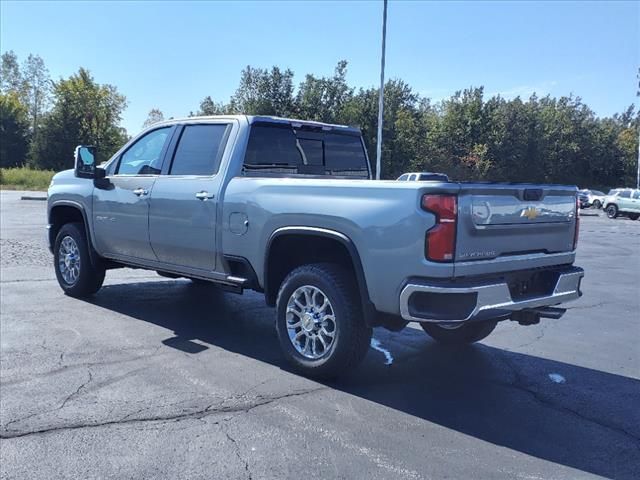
(288, 208)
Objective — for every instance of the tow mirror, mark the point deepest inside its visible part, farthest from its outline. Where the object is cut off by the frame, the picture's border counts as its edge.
(85, 161)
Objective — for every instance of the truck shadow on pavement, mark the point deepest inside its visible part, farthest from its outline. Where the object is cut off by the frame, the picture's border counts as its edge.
(591, 422)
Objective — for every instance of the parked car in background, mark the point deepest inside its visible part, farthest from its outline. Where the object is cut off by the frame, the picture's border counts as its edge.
(423, 177)
(583, 198)
(591, 198)
(596, 198)
(623, 201)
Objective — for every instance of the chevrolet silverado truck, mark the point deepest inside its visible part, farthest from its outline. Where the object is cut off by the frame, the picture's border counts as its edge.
(288, 208)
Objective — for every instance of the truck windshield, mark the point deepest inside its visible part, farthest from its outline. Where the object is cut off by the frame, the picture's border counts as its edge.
(280, 149)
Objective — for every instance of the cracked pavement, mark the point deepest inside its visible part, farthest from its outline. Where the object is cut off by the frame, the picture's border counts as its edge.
(158, 378)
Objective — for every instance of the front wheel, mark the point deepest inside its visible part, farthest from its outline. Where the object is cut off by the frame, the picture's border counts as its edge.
(597, 204)
(465, 333)
(612, 211)
(76, 274)
(319, 321)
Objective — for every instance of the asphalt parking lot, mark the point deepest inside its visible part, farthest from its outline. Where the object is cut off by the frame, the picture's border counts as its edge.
(156, 378)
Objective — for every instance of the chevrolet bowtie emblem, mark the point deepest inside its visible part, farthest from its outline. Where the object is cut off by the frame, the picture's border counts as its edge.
(530, 213)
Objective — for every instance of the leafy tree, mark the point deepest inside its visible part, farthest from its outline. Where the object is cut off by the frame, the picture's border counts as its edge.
(154, 116)
(84, 112)
(264, 92)
(209, 107)
(14, 131)
(10, 77)
(324, 99)
(36, 89)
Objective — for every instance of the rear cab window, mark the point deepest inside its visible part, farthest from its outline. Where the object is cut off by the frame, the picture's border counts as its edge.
(283, 149)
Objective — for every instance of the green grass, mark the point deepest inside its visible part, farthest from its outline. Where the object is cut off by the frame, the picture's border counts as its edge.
(23, 178)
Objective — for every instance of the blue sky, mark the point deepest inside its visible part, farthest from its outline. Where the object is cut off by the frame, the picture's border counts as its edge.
(170, 55)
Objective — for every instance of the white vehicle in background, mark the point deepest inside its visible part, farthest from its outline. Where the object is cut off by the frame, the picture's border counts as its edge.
(623, 202)
(596, 198)
(591, 198)
(423, 177)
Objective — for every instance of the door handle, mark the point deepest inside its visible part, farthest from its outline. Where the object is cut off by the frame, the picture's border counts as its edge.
(204, 195)
(140, 192)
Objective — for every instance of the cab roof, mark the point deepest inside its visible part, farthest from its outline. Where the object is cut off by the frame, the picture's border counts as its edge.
(253, 119)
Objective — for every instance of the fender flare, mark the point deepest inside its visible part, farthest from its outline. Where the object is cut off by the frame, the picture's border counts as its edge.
(368, 308)
(95, 258)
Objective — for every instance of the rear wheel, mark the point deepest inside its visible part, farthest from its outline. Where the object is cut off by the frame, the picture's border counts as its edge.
(319, 321)
(461, 334)
(76, 274)
(634, 216)
(612, 211)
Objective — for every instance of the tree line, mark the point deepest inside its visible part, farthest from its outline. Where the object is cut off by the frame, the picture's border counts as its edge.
(42, 120)
(468, 136)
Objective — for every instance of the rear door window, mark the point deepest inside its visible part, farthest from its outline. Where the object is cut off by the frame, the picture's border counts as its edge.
(199, 150)
(625, 194)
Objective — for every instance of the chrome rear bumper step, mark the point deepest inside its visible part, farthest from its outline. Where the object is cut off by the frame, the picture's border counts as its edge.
(424, 302)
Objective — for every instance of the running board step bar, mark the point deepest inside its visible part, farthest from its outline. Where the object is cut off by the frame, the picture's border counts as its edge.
(233, 284)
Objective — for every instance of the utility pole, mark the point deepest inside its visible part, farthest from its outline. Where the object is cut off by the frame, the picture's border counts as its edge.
(638, 174)
(381, 98)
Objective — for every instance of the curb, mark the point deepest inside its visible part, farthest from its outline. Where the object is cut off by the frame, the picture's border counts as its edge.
(29, 197)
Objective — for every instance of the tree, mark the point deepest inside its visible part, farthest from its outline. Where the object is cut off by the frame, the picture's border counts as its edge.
(324, 99)
(10, 77)
(264, 92)
(14, 131)
(84, 112)
(154, 116)
(209, 107)
(36, 89)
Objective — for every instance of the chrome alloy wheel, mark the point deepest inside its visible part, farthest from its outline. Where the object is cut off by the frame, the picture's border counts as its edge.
(69, 260)
(311, 322)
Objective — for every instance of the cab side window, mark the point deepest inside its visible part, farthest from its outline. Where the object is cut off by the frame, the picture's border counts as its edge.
(636, 195)
(144, 157)
(625, 194)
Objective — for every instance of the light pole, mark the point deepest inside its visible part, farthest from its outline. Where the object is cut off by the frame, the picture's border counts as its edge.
(381, 97)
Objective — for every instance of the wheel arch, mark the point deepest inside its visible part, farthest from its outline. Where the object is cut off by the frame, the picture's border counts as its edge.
(67, 211)
(285, 237)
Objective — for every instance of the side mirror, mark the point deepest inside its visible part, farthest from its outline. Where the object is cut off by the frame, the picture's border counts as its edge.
(85, 161)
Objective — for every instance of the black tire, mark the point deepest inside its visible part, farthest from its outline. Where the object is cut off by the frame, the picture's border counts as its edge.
(351, 334)
(597, 204)
(469, 332)
(612, 211)
(90, 278)
(634, 216)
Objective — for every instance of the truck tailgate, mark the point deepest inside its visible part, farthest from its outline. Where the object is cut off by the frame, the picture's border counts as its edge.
(498, 221)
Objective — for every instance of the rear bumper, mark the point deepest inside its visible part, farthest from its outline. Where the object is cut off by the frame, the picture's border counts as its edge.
(423, 301)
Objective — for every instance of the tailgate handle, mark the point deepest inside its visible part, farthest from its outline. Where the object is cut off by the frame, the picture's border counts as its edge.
(533, 194)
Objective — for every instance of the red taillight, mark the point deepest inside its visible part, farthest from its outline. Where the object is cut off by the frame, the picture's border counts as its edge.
(440, 242)
(577, 232)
